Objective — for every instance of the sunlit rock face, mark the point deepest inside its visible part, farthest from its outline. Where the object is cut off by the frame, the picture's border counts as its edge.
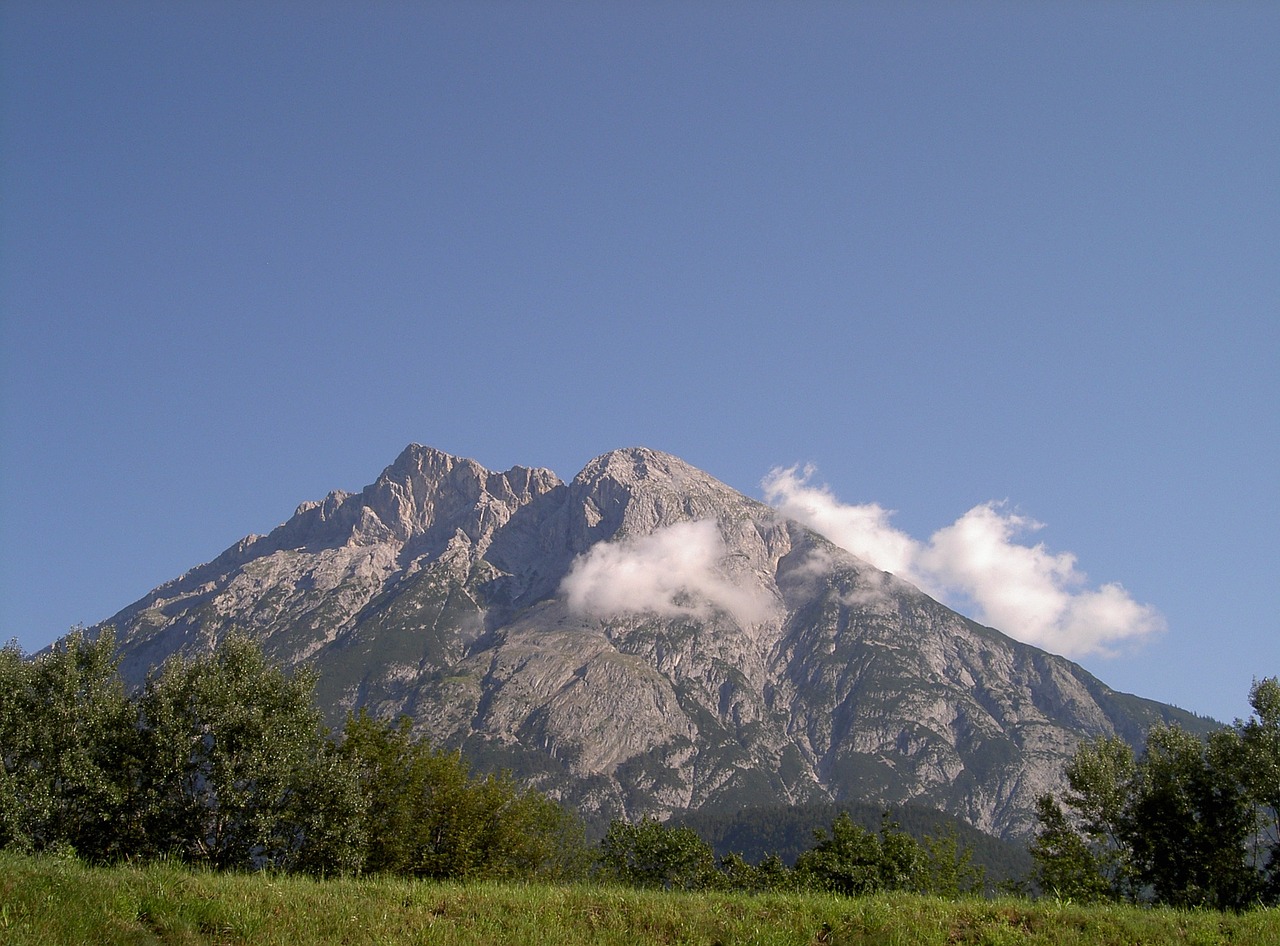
(642, 640)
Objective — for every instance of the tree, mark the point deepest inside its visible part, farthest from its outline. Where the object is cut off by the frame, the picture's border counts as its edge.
(772, 874)
(327, 816)
(67, 739)
(1099, 779)
(851, 860)
(1188, 820)
(389, 774)
(1065, 865)
(428, 817)
(1191, 822)
(1260, 750)
(236, 766)
(222, 761)
(949, 868)
(904, 863)
(652, 854)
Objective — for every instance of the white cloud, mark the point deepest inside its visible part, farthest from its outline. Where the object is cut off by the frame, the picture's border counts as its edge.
(977, 564)
(862, 530)
(673, 572)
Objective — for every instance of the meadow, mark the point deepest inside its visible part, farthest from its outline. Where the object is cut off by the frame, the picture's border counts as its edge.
(58, 901)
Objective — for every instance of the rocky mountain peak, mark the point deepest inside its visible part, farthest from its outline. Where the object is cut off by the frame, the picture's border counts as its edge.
(637, 490)
(643, 640)
(423, 459)
(634, 465)
(429, 497)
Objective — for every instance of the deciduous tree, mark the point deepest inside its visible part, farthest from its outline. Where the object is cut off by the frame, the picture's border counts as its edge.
(235, 765)
(852, 860)
(429, 817)
(652, 854)
(1190, 822)
(67, 743)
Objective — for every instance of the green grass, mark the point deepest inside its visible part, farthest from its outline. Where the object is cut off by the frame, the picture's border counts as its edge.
(60, 901)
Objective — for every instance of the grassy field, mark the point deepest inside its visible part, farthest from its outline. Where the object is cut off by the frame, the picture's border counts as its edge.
(60, 901)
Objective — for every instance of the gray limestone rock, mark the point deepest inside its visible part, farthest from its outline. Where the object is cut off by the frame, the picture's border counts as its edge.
(641, 641)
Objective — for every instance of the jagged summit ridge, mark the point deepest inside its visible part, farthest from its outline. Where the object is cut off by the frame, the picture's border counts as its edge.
(641, 640)
(424, 495)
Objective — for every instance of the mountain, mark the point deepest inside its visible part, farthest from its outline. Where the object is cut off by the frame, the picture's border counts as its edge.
(641, 640)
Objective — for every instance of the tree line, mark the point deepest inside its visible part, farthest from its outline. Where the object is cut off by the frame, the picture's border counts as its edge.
(849, 859)
(756, 831)
(222, 761)
(1188, 822)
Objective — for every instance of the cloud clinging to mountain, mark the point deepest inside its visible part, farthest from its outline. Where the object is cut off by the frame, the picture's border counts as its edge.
(1028, 592)
(673, 572)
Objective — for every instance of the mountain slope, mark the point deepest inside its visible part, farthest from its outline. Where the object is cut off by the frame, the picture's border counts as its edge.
(642, 640)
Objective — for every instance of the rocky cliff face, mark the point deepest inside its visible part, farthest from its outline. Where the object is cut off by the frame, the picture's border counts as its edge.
(641, 640)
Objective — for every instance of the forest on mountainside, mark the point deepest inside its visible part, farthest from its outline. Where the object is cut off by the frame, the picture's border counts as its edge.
(788, 831)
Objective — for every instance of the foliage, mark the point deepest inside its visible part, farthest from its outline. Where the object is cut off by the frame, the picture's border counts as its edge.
(850, 860)
(1188, 821)
(66, 747)
(235, 766)
(1191, 822)
(736, 873)
(1066, 865)
(1260, 771)
(1083, 857)
(950, 870)
(46, 900)
(221, 761)
(652, 854)
(787, 831)
(428, 817)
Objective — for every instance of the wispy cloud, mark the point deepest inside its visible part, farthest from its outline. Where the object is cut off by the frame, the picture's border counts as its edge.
(673, 572)
(1028, 592)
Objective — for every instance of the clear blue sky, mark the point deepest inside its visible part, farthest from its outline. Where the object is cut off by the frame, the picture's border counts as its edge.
(949, 253)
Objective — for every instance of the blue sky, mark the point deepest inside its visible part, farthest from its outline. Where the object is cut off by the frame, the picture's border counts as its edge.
(948, 254)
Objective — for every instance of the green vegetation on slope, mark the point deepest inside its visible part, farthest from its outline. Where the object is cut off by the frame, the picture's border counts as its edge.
(788, 831)
(221, 762)
(46, 901)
